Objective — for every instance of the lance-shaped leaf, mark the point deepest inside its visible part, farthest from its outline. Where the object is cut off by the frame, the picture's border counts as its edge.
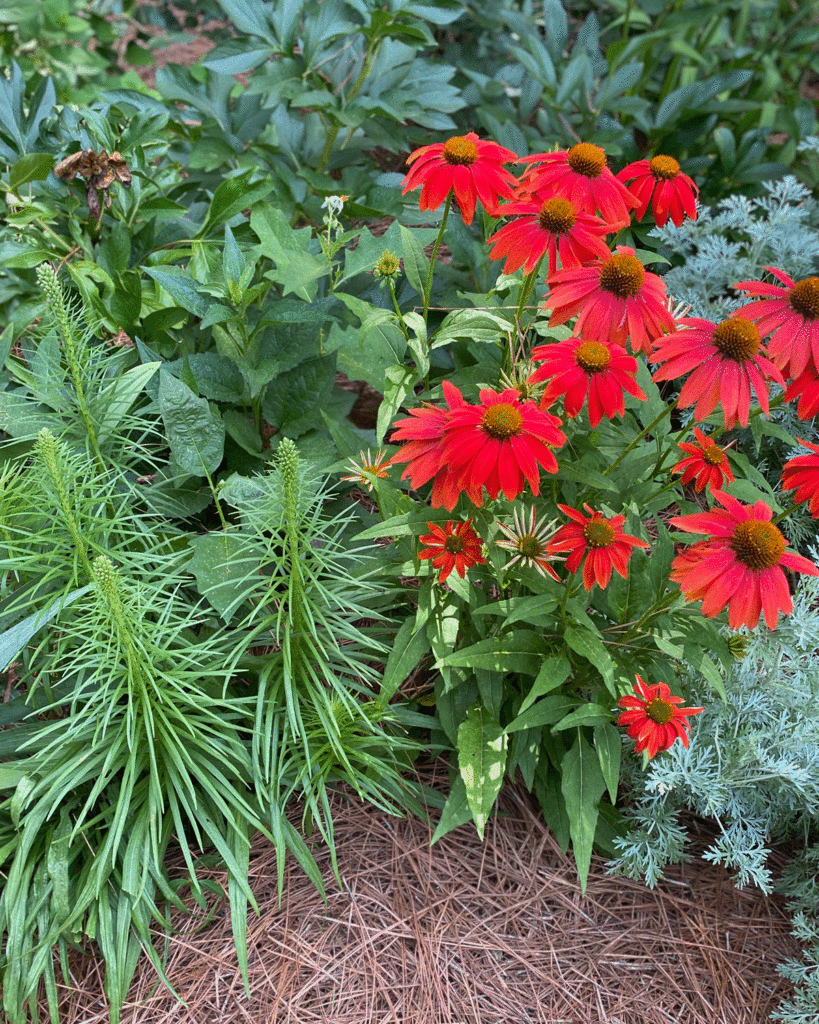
(482, 762)
(582, 784)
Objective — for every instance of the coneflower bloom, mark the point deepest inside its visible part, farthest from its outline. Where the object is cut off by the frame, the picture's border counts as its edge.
(802, 473)
(727, 364)
(555, 227)
(791, 316)
(424, 432)
(741, 566)
(499, 445)
(465, 165)
(653, 717)
(614, 299)
(806, 388)
(580, 174)
(529, 541)
(660, 181)
(452, 546)
(707, 464)
(597, 371)
(601, 539)
(368, 469)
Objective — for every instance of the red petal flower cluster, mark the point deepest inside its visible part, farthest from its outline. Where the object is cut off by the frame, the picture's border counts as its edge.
(466, 166)
(555, 226)
(599, 371)
(500, 445)
(740, 566)
(727, 363)
(653, 718)
(791, 316)
(661, 182)
(580, 174)
(601, 539)
(707, 464)
(453, 546)
(802, 473)
(614, 299)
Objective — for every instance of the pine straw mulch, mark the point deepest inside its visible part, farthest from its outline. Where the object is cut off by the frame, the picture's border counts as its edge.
(466, 933)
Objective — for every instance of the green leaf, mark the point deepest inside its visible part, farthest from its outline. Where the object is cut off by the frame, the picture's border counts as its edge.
(609, 746)
(111, 405)
(586, 714)
(221, 570)
(518, 651)
(591, 647)
(582, 785)
(456, 810)
(294, 400)
(416, 264)
(182, 289)
(194, 428)
(482, 762)
(16, 638)
(408, 647)
(33, 167)
(232, 197)
(544, 712)
(553, 673)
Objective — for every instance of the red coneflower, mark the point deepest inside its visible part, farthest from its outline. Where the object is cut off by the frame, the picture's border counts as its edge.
(806, 388)
(653, 717)
(554, 226)
(741, 564)
(601, 539)
(707, 463)
(613, 299)
(453, 546)
(581, 175)
(802, 473)
(597, 370)
(499, 445)
(529, 542)
(424, 432)
(790, 316)
(466, 166)
(661, 182)
(727, 364)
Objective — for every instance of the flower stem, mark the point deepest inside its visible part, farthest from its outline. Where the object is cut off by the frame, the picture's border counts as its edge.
(525, 292)
(787, 512)
(646, 430)
(428, 285)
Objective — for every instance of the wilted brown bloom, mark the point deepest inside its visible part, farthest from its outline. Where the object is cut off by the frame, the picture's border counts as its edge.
(99, 171)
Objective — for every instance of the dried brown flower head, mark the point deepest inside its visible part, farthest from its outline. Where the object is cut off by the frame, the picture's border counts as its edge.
(99, 171)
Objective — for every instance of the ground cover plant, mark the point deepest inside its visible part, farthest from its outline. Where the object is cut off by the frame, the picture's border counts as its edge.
(567, 505)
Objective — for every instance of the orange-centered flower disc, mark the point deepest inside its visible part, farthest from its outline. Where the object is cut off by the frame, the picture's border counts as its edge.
(587, 159)
(502, 420)
(665, 168)
(737, 338)
(758, 545)
(557, 215)
(598, 533)
(714, 455)
(460, 150)
(804, 298)
(622, 275)
(592, 356)
(659, 711)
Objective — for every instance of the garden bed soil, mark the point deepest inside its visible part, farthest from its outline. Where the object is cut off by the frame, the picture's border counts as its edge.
(465, 932)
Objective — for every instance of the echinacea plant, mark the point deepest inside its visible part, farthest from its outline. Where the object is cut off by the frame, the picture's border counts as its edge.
(541, 648)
